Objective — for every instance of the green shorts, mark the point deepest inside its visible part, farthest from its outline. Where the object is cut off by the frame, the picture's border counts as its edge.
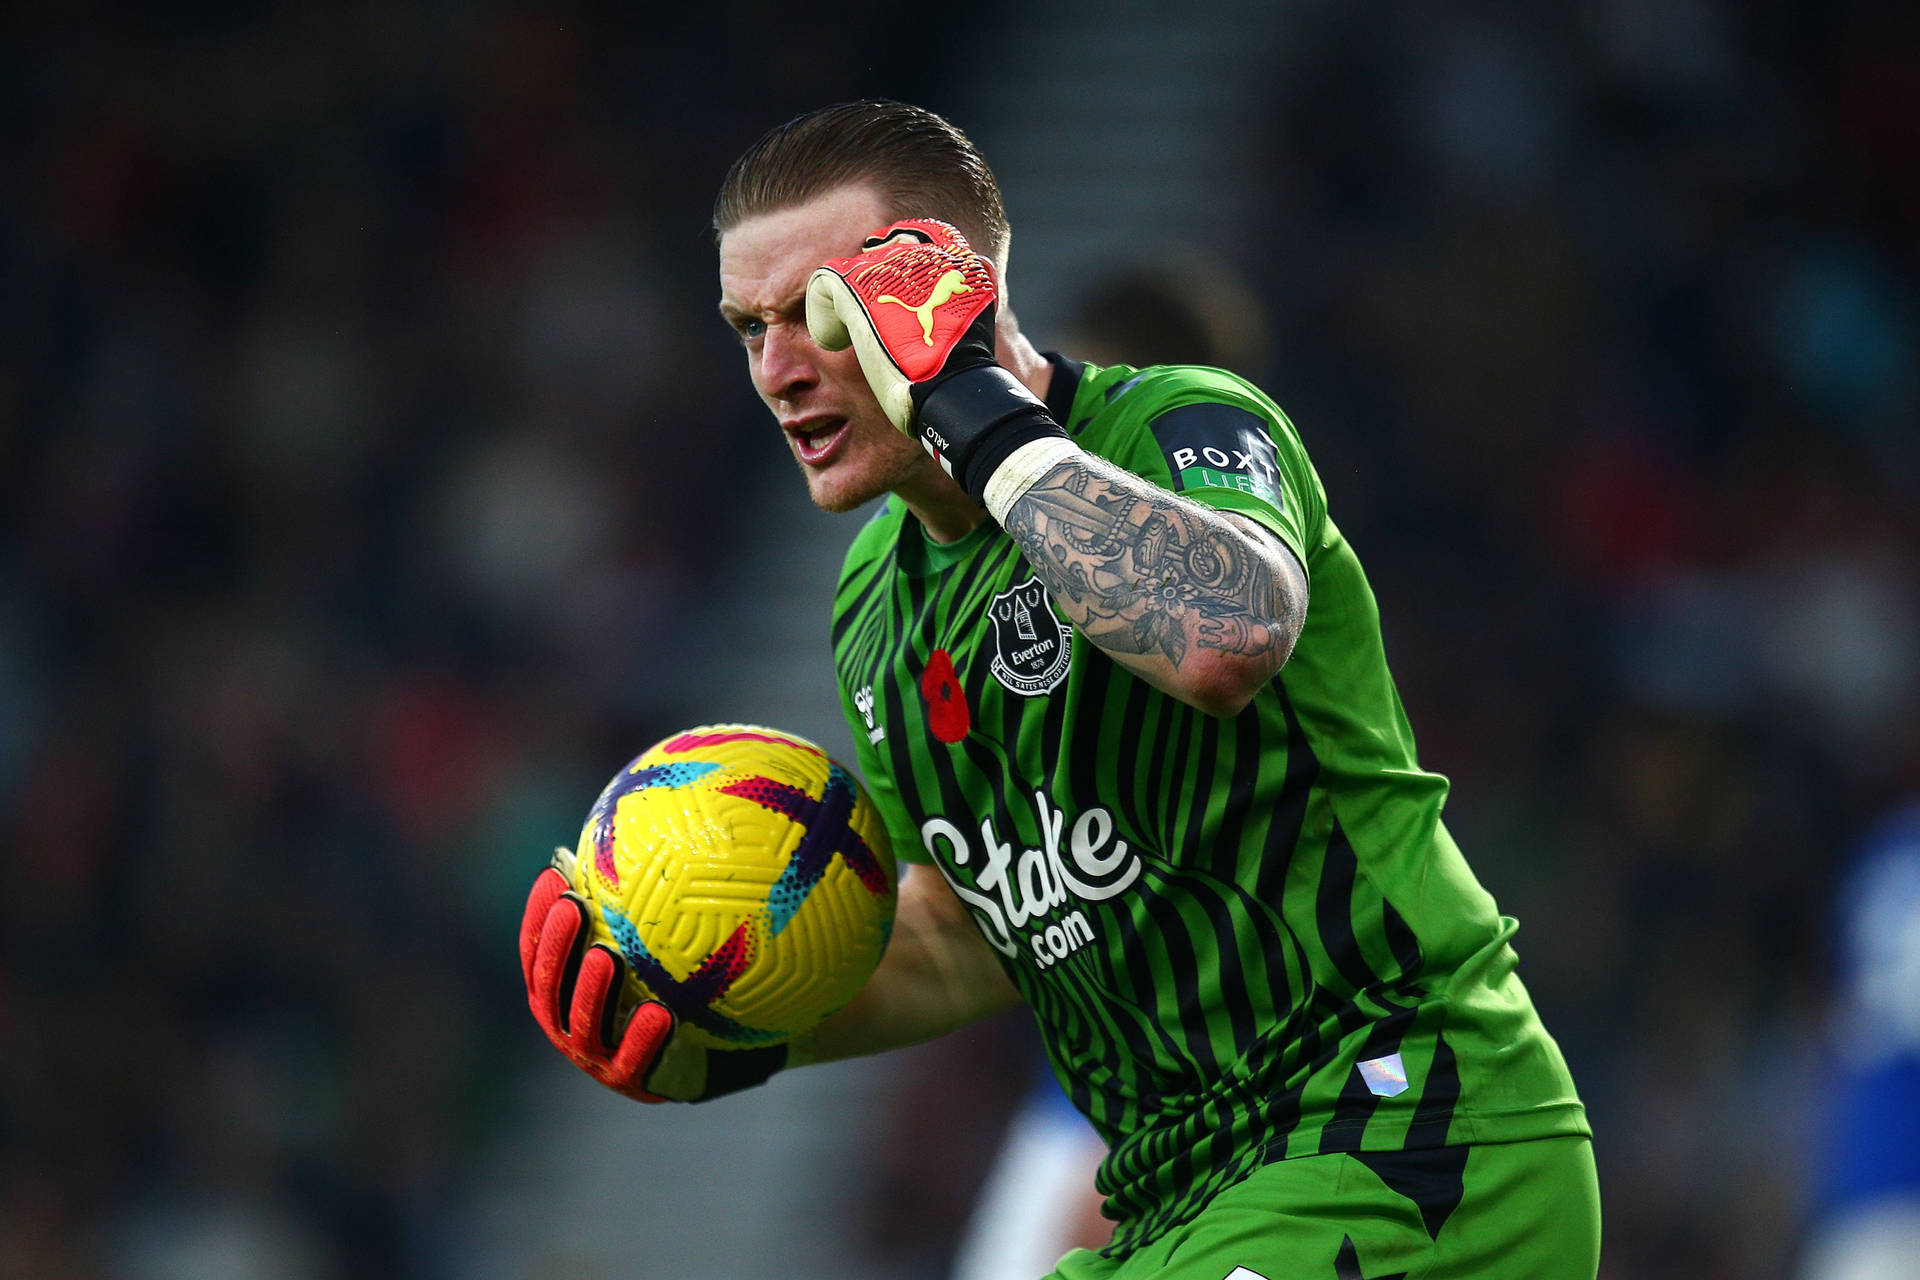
(1525, 1210)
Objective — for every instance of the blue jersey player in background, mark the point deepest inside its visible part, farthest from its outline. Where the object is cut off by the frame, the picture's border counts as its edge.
(1866, 1205)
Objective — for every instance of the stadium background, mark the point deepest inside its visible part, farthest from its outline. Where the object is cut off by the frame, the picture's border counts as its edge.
(375, 480)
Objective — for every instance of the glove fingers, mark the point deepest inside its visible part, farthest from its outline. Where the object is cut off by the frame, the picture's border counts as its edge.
(555, 961)
(596, 1000)
(828, 299)
(548, 887)
(648, 1029)
(646, 1034)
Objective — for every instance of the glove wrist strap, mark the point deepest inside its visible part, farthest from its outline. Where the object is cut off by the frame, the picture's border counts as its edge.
(975, 419)
(733, 1070)
(1022, 470)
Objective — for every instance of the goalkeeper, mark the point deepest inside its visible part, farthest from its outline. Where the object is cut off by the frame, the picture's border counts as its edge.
(1115, 676)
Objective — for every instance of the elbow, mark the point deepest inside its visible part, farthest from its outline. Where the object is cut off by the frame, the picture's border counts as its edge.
(1227, 683)
(1224, 705)
(1226, 679)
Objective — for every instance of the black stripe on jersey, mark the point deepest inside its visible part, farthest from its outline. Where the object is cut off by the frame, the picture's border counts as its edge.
(855, 633)
(1406, 950)
(1207, 755)
(1290, 807)
(862, 656)
(1134, 1163)
(1302, 1054)
(1285, 954)
(1126, 743)
(1153, 787)
(913, 613)
(1434, 1179)
(1347, 1125)
(847, 611)
(1217, 881)
(1244, 1014)
(905, 780)
(987, 759)
(1240, 792)
(1434, 1116)
(1169, 779)
(1333, 912)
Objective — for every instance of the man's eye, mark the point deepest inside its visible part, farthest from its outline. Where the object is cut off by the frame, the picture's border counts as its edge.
(749, 329)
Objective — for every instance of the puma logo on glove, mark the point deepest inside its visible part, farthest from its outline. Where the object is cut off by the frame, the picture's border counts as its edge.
(943, 290)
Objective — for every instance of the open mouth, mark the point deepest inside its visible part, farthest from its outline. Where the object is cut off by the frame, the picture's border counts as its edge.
(818, 440)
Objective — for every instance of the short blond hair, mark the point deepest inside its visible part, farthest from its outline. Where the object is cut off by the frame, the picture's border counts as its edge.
(922, 167)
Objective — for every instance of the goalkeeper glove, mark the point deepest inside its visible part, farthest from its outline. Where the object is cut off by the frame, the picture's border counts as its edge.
(917, 306)
(574, 992)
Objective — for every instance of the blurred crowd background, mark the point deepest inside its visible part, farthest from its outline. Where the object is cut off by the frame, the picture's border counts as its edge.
(375, 480)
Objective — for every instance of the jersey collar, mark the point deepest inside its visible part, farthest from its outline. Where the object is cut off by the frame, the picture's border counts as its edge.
(1065, 387)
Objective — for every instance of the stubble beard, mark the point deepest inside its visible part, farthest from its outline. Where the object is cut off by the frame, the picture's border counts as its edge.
(883, 470)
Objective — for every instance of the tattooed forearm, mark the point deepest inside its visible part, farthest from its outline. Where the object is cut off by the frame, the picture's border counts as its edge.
(1142, 572)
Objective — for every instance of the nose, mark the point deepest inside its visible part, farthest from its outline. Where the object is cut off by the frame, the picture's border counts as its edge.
(786, 366)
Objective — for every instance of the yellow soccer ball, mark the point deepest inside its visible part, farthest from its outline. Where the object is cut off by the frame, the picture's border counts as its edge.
(746, 878)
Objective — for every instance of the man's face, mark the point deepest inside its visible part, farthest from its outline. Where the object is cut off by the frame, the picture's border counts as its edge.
(847, 449)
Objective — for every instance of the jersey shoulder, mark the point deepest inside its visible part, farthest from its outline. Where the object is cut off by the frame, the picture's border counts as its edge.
(1121, 396)
(1209, 435)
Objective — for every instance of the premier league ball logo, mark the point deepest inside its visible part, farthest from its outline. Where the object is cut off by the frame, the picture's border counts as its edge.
(1031, 649)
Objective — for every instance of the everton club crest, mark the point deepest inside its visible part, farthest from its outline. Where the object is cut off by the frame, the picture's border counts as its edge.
(1031, 647)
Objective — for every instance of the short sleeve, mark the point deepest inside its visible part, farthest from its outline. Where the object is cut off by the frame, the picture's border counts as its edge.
(1218, 441)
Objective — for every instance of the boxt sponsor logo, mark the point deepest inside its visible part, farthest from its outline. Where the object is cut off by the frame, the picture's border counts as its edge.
(1017, 895)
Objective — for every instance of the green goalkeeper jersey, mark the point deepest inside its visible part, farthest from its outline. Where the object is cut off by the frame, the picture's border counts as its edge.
(1244, 939)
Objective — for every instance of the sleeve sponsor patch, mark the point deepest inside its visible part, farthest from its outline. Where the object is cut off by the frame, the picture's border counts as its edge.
(1213, 445)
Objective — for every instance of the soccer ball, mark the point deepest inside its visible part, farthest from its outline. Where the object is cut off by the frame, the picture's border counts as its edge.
(746, 878)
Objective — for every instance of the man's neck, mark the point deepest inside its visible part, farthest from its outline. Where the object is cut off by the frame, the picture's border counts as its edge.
(1025, 362)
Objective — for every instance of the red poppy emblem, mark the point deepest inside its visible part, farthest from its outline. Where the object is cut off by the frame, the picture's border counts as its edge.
(946, 701)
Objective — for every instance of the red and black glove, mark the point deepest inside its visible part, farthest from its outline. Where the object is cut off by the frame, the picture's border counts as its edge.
(574, 992)
(917, 305)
